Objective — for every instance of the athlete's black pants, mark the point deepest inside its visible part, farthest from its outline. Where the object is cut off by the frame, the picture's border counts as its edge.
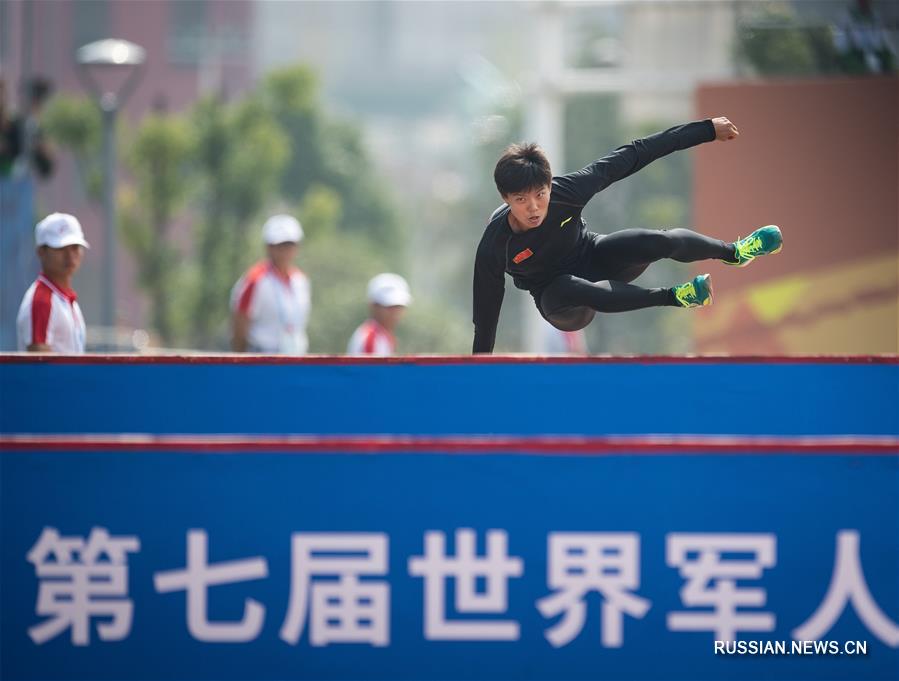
(601, 280)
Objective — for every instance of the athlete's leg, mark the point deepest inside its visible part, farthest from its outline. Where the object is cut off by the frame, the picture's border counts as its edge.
(622, 256)
(569, 302)
(600, 283)
(571, 318)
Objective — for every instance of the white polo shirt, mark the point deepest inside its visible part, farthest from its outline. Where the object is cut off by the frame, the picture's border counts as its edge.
(50, 316)
(371, 339)
(277, 307)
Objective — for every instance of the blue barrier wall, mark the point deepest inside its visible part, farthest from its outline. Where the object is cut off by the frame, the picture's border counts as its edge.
(139, 543)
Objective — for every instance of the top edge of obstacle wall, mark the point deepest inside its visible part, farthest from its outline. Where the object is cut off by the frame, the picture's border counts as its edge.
(337, 360)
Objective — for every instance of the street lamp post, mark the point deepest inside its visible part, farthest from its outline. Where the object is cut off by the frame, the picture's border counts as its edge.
(110, 70)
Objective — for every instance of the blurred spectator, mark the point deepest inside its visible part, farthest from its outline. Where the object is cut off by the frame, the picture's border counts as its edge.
(862, 41)
(23, 132)
(388, 297)
(271, 300)
(49, 318)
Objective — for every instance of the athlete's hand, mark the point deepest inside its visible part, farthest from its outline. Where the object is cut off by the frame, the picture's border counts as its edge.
(724, 129)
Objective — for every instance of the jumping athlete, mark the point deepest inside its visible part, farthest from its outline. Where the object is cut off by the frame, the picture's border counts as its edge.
(539, 237)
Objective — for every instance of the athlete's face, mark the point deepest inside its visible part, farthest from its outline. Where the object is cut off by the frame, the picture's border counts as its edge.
(529, 207)
(60, 263)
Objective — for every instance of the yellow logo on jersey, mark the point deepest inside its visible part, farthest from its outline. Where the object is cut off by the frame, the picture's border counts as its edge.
(564, 221)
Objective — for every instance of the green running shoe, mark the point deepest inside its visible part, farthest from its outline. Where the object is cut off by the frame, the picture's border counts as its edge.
(763, 241)
(694, 293)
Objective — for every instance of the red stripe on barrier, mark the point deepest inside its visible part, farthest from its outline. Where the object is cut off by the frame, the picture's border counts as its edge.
(473, 444)
(34, 358)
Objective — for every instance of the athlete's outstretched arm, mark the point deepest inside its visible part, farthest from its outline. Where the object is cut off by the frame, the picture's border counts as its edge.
(489, 289)
(628, 159)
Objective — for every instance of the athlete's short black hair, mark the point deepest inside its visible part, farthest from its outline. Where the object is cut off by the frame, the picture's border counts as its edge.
(522, 167)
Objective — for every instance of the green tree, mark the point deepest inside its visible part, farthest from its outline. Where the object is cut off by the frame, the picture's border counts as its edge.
(221, 168)
(331, 153)
(158, 161)
(290, 95)
(241, 153)
(339, 264)
(339, 268)
(774, 44)
(74, 123)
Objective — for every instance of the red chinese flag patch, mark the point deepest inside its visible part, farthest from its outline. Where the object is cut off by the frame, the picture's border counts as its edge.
(524, 255)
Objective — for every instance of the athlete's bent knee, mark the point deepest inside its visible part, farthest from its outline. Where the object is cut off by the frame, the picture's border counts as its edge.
(571, 319)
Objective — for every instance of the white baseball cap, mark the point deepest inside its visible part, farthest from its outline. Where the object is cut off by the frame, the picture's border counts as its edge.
(279, 229)
(59, 230)
(388, 290)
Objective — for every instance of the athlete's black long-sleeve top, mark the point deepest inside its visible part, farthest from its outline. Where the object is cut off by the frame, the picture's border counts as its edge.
(535, 257)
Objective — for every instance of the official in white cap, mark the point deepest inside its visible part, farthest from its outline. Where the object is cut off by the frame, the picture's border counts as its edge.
(271, 301)
(388, 298)
(49, 318)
